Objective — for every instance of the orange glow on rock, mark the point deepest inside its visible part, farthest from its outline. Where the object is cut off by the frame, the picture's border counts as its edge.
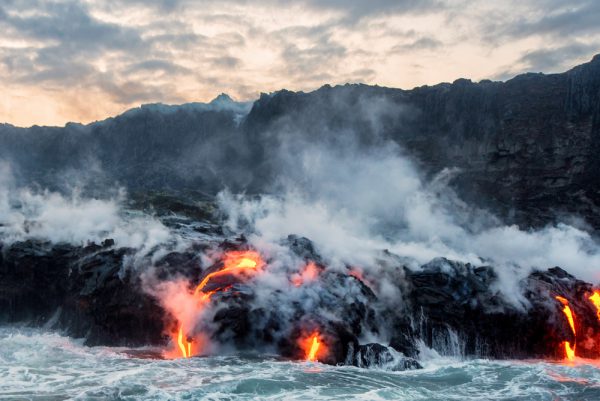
(358, 274)
(310, 273)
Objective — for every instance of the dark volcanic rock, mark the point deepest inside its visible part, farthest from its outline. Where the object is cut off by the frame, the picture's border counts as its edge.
(33, 280)
(282, 321)
(83, 290)
(375, 355)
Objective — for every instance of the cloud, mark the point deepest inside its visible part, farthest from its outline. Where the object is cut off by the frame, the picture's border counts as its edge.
(157, 65)
(125, 52)
(423, 43)
(358, 9)
(557, 58)
(355, 9)
(72, 27)
(562, 19)
(226, 62)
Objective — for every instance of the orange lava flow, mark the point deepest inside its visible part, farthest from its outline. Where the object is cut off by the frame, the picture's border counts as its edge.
(186, 349)
(234, 262)
(313, 347)
(568, 313)
(595, 298)
(569, 351)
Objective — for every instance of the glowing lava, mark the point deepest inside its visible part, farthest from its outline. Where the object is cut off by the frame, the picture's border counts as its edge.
(313, 347)
(569, 352)
(568, 313)
(595, 298)
(310, 273)
(234, 263)
(186, 349)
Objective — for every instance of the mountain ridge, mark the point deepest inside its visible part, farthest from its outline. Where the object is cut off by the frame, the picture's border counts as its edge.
(595, 59)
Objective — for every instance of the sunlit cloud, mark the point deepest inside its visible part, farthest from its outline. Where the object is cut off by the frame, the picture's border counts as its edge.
(69, 60)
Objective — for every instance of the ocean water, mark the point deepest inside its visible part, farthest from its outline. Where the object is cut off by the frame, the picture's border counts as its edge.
(36, 365)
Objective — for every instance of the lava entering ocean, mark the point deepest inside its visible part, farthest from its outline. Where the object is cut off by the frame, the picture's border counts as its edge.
(235, 263)
(239, 265)
(313, 347)
(221, 308)
(570, 349)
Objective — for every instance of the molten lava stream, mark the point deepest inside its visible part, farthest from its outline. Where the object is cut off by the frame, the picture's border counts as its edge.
(186, 349)
(568, 313)
(595, 298)
(313, 347)
(234, 262)
(569, 351)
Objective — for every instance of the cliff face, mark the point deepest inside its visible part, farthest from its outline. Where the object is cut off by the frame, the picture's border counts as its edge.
(526, 148)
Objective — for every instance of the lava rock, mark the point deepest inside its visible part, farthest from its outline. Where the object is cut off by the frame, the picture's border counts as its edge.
(375, 355)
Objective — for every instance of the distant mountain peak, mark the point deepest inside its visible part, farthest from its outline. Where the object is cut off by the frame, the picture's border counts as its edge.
(222, 98)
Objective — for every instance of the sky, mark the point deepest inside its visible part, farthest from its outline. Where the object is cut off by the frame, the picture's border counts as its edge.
(86, 60)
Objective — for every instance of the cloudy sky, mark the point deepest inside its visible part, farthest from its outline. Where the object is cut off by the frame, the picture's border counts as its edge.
(83, 60)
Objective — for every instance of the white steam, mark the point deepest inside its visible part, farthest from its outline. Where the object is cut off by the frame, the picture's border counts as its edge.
(44, 215)
(353, 201)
